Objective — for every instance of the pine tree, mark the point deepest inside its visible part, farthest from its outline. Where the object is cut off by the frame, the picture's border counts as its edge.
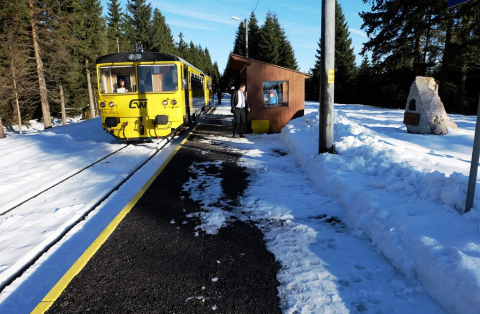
(253, 37)
(239, 44)
(345, 67)
(181, 47)
(114, 19)
(465, 48)
(91, 43)
(209, 70)
(397, 31)
(162, 38)
(16, 65)
(406, 35)
(312, 85)
(269, 43)
(127, 40)
(61, 59)
(216, 75)
(287, 56)
(141, 18)
(36, 16)
(365, 81)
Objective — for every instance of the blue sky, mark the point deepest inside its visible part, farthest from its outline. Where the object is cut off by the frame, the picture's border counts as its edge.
(209, 23)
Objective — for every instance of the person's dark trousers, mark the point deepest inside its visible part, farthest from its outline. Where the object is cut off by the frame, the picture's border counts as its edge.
(240, 121)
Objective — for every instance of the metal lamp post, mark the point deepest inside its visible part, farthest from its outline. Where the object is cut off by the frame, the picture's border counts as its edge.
(246, 34)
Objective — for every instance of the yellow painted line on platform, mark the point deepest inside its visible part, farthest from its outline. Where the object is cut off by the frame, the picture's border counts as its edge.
(57, 290)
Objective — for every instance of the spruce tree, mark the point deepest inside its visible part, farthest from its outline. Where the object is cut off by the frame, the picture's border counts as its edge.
(253, 37)
(345, 67)
(114, 20)
(405, 35)
(162, 38)
(287, 56)
(91, 44)
(141, 18)
(127, 40)
(365, 82)
(312, 85)
(216, 76)
(17, 72)
(209, 70)
(239, 44)
(63, 71)
(181, 47)
(269, 43)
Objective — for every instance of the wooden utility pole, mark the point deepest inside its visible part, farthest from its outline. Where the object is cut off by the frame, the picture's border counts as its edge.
(41, 76)
(325, 122)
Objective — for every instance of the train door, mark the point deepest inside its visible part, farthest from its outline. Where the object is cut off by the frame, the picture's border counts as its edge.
(186, 76)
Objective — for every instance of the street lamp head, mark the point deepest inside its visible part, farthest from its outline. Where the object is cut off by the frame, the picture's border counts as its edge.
(235, 18)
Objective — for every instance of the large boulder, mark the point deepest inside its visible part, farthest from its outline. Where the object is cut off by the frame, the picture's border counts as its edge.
(424, 111)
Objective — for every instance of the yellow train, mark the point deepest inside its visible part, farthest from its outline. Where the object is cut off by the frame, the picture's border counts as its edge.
(145, 95)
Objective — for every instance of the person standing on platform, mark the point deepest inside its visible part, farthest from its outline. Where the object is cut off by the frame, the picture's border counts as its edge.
(240, 108)
(219, 96)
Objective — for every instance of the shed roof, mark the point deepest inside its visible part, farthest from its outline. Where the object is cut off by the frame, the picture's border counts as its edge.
(238, 63)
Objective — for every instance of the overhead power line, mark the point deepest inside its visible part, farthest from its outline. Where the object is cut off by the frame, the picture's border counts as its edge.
(256, 6)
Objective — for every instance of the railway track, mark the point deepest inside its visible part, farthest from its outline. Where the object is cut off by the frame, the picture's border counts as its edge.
(4, 212)
(18, 270)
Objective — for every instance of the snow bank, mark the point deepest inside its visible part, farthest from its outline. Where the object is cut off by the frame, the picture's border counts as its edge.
(409, 211)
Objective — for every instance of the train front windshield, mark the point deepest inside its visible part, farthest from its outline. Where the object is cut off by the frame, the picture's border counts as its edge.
(117, 79)
(157, 78)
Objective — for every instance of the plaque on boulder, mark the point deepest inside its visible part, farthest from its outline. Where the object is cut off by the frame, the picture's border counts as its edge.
(424, 111)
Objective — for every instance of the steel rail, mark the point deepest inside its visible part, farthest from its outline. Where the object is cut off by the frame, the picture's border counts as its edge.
(25, 267)
(60, 182)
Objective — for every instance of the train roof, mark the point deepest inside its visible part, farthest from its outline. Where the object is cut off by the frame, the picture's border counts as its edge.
(146, 57)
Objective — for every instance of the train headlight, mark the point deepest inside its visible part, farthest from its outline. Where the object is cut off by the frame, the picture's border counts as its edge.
(111, 104)
(133, 57)
(102, 104)
(174, 102)
(165, 102)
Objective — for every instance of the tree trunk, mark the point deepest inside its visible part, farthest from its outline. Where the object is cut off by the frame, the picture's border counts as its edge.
(62, 102)
(461, 89)
(41, 76)
(118, 44)
(443, 77)
(2, 132)
(90, 92)
(418, 64)
(15, 91)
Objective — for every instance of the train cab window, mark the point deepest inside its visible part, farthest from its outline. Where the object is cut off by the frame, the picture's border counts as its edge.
(117, 79)
(157, 78)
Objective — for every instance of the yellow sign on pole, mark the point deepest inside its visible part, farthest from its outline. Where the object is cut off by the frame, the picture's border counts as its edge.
(331, 76)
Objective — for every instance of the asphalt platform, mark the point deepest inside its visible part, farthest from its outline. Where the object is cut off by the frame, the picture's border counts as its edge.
(155, 263)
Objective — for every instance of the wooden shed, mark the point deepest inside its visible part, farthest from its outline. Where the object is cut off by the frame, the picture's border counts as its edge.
(275, 94)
